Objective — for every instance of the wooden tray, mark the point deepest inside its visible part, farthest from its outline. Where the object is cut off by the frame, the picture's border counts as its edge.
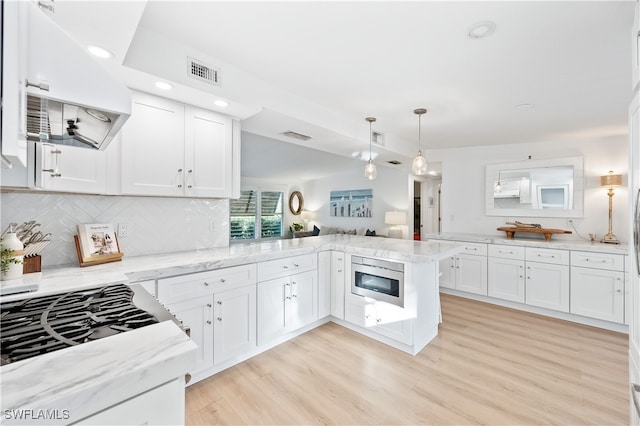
(547, 232)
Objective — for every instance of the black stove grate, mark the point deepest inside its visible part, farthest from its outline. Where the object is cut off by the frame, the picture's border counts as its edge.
(45, 324)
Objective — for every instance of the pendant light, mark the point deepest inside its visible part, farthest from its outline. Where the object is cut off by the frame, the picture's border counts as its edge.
(498, 185)
(370, 171)
(419, 166)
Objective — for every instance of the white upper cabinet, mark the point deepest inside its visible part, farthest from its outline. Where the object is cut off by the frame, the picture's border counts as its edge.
(70, 169)
(171, 149)
(153, 147)
(208, 154)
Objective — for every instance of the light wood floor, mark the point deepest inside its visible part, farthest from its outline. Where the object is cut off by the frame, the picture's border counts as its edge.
(488, 365)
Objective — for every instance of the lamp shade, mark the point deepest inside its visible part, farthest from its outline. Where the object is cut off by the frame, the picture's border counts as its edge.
(610, 180)
(395, 218)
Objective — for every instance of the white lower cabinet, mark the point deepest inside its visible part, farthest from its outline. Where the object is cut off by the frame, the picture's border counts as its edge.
(338, 279)
(466, 271)
(197, 315)
(324, 284)
(597, 293)
(163, 405)
(218, 307)
(547, 286)
(234, 324)
(379, 317)
(286, 304)
(506, 279)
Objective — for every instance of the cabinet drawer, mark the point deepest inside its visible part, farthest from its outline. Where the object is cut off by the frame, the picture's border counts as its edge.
(558, 257)
(611, 262)
(506, 252)
(202, 283)
(474, 248)
(287, 266)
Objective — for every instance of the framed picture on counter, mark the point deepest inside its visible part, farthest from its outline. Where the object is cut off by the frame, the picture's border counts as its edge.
(97, 243)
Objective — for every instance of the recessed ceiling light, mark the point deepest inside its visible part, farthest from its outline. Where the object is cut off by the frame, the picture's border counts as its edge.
(221, 103)
(482, 29)
(163, 85)
(523, 107)
(100, 52)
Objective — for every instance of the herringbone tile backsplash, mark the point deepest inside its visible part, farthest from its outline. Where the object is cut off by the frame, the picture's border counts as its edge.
(155, 225)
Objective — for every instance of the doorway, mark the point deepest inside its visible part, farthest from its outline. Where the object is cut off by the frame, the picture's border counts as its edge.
(425, 194)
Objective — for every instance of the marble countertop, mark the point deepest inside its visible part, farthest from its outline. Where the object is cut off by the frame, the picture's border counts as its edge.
(562, 244)
(112, 370)
(116, 368)
(152, 267)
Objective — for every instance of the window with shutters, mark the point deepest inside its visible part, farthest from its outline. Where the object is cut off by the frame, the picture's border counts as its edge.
(257, 214)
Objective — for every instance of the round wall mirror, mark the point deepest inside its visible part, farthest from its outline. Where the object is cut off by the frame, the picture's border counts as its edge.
(296, 202)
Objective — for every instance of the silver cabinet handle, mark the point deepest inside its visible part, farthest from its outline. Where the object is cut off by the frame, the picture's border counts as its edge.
(179, 170)
(219, 319)
(289, 298)
(209, 305)
(179, 186)
(219, 302)
(206, 283)
(208, 322)
(222, 280)
(296, 265)
(635, 390)
(378, 320)
(285, 267)
(294, 296)
(42, 86)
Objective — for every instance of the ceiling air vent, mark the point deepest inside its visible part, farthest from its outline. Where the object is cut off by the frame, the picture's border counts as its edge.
(394, 162)
(199, 71)
(296, 135)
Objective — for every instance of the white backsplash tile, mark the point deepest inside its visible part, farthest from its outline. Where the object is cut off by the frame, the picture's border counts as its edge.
(155, 225)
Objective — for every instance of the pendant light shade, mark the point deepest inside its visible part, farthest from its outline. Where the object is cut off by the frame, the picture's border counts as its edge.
(419, 166)
(370, 171)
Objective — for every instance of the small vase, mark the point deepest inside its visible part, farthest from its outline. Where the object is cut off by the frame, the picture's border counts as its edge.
(10, 241)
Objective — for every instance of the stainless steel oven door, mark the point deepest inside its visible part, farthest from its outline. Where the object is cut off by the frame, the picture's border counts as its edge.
(385, 285)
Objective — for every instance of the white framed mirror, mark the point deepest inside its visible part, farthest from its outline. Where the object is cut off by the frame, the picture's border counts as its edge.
(536, 188)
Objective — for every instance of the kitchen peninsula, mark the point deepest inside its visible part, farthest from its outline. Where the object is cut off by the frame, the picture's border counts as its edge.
(275, 291)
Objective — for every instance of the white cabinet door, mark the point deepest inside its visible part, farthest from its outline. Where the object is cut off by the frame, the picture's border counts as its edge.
(506, 279)
(338, 283)
(208, 154)
(471, 273)
(448, 270)
(547, 286)
(13, 140)
(196, 314)
(70, 169)
(597, 293)
(304, 301)
(273, 295)
(234, 331)
(324, 284)
(153, 147)
(635, 49)
(163, 405)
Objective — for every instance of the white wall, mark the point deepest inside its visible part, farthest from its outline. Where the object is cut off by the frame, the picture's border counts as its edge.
(390, 192)
(155, 225)
(463, 171)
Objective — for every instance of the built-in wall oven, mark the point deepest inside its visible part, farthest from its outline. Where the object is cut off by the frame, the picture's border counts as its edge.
(379, 279)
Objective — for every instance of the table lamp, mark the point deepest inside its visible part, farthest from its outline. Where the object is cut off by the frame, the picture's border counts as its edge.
(395, 218)
(610, 181)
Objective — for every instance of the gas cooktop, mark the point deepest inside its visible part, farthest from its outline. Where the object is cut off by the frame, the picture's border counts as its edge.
(41, 325)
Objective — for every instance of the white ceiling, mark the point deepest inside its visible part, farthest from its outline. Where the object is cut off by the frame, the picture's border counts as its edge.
(320, 68)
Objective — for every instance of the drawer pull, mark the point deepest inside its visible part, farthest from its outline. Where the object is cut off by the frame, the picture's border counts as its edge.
(296, 265)
(294, 296)
(285, 267)
(471, 248)
(507, 252)
(206, 283)
(219, 302)
(222, 280)
(339, 270)
(378, 320)
(208, 322)
(219, 319)
(288, 297)
(551, 256)
(209, 305)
